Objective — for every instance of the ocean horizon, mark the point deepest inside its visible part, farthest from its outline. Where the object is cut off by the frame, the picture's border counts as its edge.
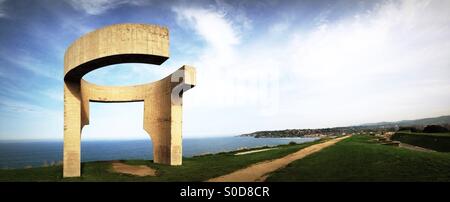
(16, 154)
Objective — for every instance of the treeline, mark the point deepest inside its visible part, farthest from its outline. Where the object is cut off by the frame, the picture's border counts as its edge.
(426, 129)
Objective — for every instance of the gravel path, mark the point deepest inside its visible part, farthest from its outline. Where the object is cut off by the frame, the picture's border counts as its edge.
(259, 171)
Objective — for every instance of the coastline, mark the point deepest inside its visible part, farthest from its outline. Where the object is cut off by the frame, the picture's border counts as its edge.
(37, 154)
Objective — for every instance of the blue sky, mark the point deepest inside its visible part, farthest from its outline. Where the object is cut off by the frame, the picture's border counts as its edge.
(261, 65)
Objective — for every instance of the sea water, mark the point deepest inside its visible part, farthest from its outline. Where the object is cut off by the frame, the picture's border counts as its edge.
(21, 154)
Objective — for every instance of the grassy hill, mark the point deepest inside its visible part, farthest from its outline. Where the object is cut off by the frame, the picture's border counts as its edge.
(434, 141)
(361, 158)
(358, 158)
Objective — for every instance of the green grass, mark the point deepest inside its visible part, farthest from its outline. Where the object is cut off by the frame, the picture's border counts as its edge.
(359, 158)
(435, 141)
(197, 168)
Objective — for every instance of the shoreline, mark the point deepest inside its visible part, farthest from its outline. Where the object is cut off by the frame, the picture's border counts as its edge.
(236, 150)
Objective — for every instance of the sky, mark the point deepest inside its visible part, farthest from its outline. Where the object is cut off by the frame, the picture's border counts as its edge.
(261, 65)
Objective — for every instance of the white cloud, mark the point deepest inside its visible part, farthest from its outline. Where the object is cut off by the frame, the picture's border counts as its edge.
(2, 9)
(279, 28)
(231, 75)
(96, 7)
(227, 74)
(211, 25)
(389, 63)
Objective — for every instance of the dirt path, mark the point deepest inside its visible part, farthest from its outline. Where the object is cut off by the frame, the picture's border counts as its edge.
(415, 148)
(140, 170)
(259, 171)
(253, 151)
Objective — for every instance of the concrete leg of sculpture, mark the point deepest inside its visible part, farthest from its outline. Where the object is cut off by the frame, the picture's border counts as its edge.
(163, 123)
(72, 129)
(176, 135)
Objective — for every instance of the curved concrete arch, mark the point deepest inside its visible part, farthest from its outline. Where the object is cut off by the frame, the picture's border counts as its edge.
(124, 43)
(115, 44)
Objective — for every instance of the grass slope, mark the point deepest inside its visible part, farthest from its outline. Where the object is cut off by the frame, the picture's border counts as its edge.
(359, 158)
(435, 141)
(197, 168)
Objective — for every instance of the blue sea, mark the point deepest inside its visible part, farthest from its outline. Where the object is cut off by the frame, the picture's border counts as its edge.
(21, 154)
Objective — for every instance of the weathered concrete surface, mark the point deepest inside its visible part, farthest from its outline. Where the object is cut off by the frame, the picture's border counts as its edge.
(124, 43)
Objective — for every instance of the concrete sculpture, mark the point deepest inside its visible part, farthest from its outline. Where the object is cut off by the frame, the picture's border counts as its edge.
(124, 43)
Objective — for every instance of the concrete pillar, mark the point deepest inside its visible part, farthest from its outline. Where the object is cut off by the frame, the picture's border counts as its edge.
(124, 43)
(72, 129)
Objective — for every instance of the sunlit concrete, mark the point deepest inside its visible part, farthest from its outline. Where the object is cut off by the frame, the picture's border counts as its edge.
(124, 43)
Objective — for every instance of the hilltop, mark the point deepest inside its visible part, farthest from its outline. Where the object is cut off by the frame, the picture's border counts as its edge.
(441, 120)
(363, 128)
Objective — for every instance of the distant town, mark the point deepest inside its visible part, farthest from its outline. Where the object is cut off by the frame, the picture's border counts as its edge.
(372, 128)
